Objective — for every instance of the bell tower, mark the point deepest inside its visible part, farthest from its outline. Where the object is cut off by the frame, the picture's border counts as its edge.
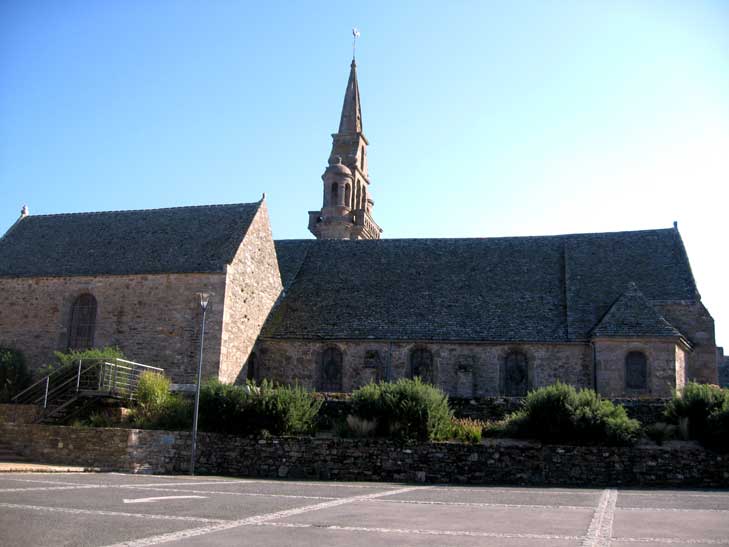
(346, 211)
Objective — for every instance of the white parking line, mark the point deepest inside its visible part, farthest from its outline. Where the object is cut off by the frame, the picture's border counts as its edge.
(223, 492)
(50, 488)
(415, 531)
(477, 504)
(162, 498)
(601, 527)
(106, 513)
(668, 541)
(194, 532)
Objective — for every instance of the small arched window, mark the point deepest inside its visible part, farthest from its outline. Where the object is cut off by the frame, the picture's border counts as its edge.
(331, 370)
(421, 365)
(334, 194)
(636, 371)
(348, 195)
(357, 195)
(83, 322)
(364, 198)
(515, 374)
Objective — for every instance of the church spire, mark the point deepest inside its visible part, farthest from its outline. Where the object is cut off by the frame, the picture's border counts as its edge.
(346, 211)
(351, 120)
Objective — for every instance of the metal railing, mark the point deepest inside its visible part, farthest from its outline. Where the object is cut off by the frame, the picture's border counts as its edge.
(116, 378)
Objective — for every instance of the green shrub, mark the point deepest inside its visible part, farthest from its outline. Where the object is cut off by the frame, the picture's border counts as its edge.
(14, 374)
(560, 413)
(405, 410)
(354, 426)
(717, 430)
(73, 356)
(257, 409)
(467, 430)
(695, 403)
(174, 415)
(660, 432)
(152, 393)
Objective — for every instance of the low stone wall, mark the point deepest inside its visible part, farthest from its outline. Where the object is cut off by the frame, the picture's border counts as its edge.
(492, 462)
(19, 414)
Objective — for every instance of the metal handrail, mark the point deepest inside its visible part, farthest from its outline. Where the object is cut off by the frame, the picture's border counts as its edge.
(139, 364)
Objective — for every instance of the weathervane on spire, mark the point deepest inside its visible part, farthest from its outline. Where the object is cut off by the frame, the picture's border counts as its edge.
(355, 35)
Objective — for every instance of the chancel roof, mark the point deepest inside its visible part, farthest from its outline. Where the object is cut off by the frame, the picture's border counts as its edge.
(531, 289)
(633, 315)
(175, 240)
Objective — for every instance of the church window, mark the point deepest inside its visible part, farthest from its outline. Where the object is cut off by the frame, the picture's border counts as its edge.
(357, 194)
(83, 322)
(636, 371)
(335, 193)
(421, 365)
(331, 370)
(348, 195)
(515, 374)
(364, 198)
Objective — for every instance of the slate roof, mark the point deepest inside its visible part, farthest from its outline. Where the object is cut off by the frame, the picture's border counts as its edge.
(633, 316)
(176, 240)
(530, 289)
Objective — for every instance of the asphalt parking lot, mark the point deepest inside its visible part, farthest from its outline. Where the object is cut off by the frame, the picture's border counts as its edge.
(135, 510)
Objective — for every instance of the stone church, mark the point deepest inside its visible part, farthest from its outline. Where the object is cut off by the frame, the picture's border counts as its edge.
(619, 312)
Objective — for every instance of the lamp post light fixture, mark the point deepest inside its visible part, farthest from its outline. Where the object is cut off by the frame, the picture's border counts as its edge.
(204, 301)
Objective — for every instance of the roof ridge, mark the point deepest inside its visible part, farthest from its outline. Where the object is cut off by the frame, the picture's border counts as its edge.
(90, 213)
(546, 236)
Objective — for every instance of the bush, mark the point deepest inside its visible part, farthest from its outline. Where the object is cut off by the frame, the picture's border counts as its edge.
(152, 393)
(257, 409)
(353, 426)
(466, 430)
(73, 356)
(717, 430)
(660, 432)
(174, 415)
(14, 374)
(695, 403)
(560, 413)
(405, 410)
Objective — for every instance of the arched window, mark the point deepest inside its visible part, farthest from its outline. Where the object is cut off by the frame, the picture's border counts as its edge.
(421, 365)
(364, 198)
(252, 372)
(335, 194)
(515, 374)
(331, 370)
(83, 322)
(636, 370)
(348, 195)
(357, 195)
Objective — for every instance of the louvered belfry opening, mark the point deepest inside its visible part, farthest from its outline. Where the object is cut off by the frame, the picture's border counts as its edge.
(83, 322)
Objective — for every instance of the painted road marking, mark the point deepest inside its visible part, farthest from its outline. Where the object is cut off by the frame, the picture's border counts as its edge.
(50, 488)
(416, 531)
(107, 513)
(601, 526)
(499, 505)
(162, 498)
(232, 493)
(195, 532)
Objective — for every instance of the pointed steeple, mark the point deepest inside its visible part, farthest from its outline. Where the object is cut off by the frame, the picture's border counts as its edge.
(351, 120)
(346, 211)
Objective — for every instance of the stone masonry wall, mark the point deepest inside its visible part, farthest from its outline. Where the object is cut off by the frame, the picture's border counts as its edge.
(19, 414)
(493, 462)
(694, 321)
(662, 367)
(154, 319)
(461, 369)
(252, 287)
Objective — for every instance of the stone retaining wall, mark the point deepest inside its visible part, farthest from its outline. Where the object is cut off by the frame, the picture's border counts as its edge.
(493, 462)
(19, 414)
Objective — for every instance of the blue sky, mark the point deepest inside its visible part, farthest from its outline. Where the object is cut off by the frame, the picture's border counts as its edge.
(484, 118)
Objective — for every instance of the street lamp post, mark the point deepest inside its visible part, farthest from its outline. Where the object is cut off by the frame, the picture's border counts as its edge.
(204, 301)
